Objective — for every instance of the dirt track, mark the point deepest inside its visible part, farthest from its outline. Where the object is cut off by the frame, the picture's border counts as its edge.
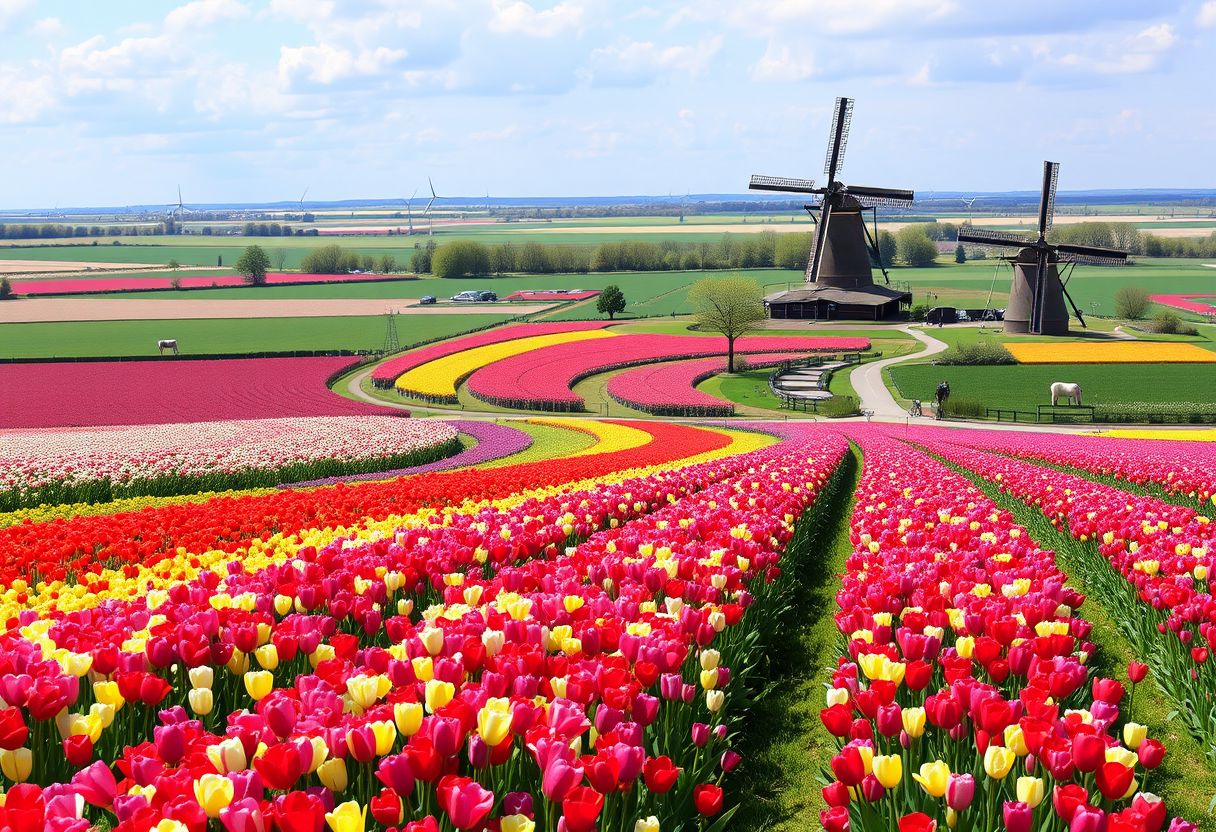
(31, 268)
(38, 310)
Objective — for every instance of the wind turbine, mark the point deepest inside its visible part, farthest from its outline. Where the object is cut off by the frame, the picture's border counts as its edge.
(301, 203)
(969, 203)
(180, 208)
(409, 210)
(430, 227)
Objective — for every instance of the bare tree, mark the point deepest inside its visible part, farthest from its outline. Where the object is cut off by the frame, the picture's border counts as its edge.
(279, 258)
(729, 305)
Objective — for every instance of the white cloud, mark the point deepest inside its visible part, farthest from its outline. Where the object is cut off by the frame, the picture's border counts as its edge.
(327, 64)
(516, 17)
(10, 10)
(200, 13)
(634, 62)
(131, 56)
(1206, 18)
(48, 27)
(823, 17)
(24, 98)
(781, 63)
(1141, 52)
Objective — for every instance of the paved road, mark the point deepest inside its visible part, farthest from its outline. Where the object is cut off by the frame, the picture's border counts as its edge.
(867, 378)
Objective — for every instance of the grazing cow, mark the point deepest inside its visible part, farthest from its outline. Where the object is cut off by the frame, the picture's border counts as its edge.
(168, 344)
(1072, 392)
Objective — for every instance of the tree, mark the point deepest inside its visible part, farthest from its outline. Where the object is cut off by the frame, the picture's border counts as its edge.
(729, 305)
(280, 259)
(914, 246)
(460, 258)
(888, 247)
(330, 259)
(1131, 302)
(387, 264)
(6, 289)
(610, 301)
(792, 251)
(253, 265)
(960, 254)
(174, 265)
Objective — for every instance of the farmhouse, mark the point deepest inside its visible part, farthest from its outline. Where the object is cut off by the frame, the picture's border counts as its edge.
(819, 302)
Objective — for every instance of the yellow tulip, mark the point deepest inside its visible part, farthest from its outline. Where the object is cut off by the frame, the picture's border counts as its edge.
(714, 700)
(386, 734)
(1134, 734)
(320, 753)
(1121, 755)
(1015, 740)
(202, 677)
(914, 721)
(709, 679)
(710, 659)
(998, 760)
(432, 640)
(438, 694)
(169, 825)
(520, 823)
(213, 792)
(348, 817)
(424, 668)
(650, 824)
(16, 765)
(363, 690)
(259, 684)
(493, 724)
(227, 755)
(408, 717)
(201, 700)
(933, 777)
(1031, 790)
(108, 693)
(283, 604)
(267, 656)
(332, 774)
(889, 769)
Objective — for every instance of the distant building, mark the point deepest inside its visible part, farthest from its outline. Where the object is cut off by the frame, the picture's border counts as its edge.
(817, 302)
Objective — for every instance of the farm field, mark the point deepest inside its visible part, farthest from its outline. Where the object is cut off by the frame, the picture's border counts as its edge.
(654, 500)
(222, 336)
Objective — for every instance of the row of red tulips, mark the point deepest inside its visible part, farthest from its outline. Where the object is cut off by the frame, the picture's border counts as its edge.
(963, 697)
(670, 389)
(427, 679)
(60, 548)
(1161, 554)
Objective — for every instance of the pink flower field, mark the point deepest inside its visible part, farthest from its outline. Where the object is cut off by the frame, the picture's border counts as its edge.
(1187, 303)
(542, 379)
(385, 374)
(70, 394)
(106, 285)
(670, 389)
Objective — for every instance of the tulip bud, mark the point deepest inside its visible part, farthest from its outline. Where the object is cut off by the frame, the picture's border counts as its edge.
(201, 701)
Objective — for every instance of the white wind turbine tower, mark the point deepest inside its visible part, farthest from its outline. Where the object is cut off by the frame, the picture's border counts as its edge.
(430, 227)
(409, 211)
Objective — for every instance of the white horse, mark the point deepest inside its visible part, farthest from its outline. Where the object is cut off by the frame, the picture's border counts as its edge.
(167, 344)
(1072, 392)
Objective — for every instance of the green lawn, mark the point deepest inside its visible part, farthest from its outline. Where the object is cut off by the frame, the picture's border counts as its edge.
(1024, 387)
(123, 338)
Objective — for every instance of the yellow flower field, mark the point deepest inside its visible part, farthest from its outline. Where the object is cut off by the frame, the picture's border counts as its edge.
(1121, 352)
(1191, 435)
(437, 380)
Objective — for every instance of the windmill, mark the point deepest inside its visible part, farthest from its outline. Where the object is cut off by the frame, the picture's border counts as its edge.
(179, 209)
(301, 203)
(842, 246)
(1036, 300)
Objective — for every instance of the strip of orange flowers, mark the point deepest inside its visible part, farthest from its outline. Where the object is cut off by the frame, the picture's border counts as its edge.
(60, 549)
(562, 664)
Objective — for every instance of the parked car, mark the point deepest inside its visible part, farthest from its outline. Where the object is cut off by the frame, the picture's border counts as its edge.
(962, 316)
(942, 315)
(487, 296)
(426, 300)
(466, 297)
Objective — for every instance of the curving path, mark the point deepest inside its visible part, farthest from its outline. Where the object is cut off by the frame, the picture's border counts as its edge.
(872, 390)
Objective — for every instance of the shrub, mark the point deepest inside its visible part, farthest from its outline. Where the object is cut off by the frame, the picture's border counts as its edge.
(6, 289)
(839, 406)
(982, 353)
(964, 408)
(919, 312)
(461, 258)
(1131, 302)
(331, 259)
(741, 365)
(915, 248)
(1167, 323)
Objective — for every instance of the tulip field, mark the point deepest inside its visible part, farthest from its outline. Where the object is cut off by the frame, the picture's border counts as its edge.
(462, 629)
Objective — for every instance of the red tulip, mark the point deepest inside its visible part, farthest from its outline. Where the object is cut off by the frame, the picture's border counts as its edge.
(24, 808)
(465, 801)
(837, 719)
(280, 766)
(1150, 753)
(836, 794)
(299, 812)
(707, 798)
(78, 749)
(1136, 671)
(660, 774)
(1108, 690)
(835, 819)
(581, 808)
(1066, 799)
(917, 822)
(848, 767)
(387, 807)
(13, 730)
(1114, 779)
(1088, 752)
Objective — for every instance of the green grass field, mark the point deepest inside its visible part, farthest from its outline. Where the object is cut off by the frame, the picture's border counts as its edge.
(1024, 387)
(124, 338)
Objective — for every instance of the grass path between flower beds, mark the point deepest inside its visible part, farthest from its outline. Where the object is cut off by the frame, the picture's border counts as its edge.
(1184, 778)
(786, 745)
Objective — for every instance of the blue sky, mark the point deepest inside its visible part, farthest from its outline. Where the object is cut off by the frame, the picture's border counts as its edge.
(252, 100)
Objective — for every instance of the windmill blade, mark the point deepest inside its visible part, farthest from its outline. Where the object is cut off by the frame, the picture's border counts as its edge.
(1047, 202)
(986, 237)
(434, 195)
(304, 195)
(874, 197)
(782, 183)
(1093, 255)
(817, 242)
(838, 139)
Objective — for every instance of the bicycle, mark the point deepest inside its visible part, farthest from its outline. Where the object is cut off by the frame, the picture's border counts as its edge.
(915, 409)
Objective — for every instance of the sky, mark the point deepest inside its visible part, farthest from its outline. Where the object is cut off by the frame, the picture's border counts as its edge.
(119, 102)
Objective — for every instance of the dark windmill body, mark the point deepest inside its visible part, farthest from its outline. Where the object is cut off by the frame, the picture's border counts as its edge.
(1036, 299)
(839, 271)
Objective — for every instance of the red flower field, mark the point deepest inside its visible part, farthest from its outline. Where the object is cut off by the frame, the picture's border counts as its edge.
(69, 394)
(104, 285)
